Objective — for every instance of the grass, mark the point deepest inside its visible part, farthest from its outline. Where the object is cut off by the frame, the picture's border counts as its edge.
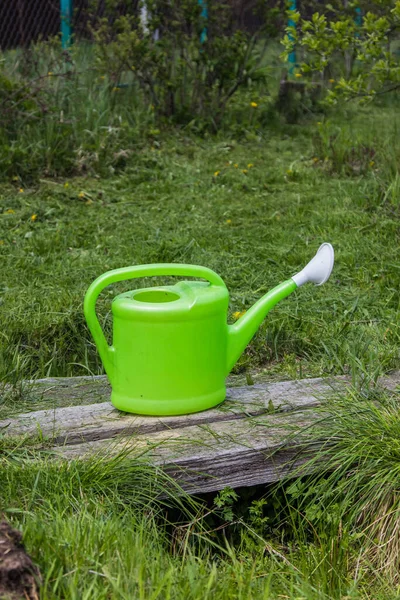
(66, 118)
(356, 491)
(99, 531)
(78, 114)
(254, 208)
(120, 529)
(255, 225)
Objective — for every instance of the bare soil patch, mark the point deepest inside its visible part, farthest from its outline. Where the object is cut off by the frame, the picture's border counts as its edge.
(18, 574)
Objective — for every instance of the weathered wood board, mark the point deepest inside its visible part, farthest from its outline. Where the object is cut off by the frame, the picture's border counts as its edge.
(249, 439)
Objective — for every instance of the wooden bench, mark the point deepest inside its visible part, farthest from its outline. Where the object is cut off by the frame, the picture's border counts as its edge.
(249, 439)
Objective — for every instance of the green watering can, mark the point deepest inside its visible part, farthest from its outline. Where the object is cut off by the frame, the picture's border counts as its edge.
(172, 347)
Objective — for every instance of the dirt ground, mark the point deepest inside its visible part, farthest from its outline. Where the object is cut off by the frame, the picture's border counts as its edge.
(18, 574)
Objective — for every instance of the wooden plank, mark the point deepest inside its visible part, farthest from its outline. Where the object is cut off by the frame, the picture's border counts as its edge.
(206, 458)
(75, 424)
(252, 438)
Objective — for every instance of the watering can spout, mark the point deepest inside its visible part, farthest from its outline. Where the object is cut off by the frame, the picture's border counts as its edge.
(317, 271)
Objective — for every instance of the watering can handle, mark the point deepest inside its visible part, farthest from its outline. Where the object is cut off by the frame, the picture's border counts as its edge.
(125, 274)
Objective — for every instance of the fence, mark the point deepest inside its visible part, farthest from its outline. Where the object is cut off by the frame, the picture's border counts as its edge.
(25, 21)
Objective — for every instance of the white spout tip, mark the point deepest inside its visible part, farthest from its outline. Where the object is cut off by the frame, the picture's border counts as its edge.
(318, 270)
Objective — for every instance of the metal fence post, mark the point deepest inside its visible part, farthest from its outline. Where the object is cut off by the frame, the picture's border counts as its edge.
(358, 19)
(66, 18)
(292, 55)
(204, 14)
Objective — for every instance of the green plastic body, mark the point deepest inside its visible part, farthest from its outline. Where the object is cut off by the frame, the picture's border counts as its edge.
(172, 347)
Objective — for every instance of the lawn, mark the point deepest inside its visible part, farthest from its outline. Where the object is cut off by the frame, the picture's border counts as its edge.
(255, 210)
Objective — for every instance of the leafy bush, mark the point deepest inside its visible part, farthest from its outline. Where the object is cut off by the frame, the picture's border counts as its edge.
(187, 68)
(355, 52)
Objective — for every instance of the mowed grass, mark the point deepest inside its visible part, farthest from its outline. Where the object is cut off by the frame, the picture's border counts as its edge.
(255, 211)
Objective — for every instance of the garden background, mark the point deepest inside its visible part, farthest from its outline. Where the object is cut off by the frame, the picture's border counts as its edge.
(196, 140)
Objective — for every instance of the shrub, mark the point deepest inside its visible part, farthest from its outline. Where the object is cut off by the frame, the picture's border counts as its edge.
(186, 68)
(354, 52)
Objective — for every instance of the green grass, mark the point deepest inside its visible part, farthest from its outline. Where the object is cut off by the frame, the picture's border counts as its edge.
(254, 228)
(86, 115)
(103, 529)
(98, 531)
(357, 488)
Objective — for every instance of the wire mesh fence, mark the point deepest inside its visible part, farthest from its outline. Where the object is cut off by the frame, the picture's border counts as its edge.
(25, 21)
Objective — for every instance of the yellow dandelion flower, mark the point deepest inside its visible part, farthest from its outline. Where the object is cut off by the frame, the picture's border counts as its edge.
(253, 104)
(217, 173)
(33, 217)
(9, 211)
(298, 75)
(372, 162)
(50, 73)
(315, 159)
(228, 221)
(245, 171)
(250, 165)
(289, 172)
(81, 195)
(236, 165)
(66, 184)
(21, 190)
(331, 81)
(239, 313)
